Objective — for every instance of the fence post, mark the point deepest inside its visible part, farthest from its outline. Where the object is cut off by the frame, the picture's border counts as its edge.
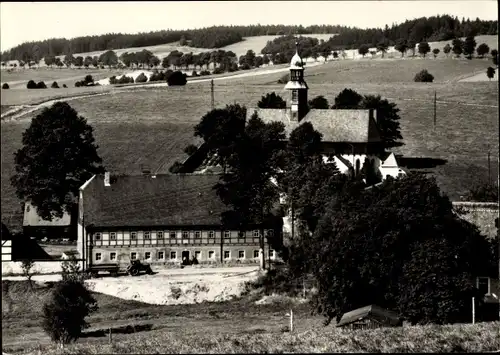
(291, 320)
(110, 336)
(473, 311)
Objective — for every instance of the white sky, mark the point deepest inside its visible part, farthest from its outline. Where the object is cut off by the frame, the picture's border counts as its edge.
(29, 21)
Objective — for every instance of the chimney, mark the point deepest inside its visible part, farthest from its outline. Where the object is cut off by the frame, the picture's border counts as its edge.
(106, 179)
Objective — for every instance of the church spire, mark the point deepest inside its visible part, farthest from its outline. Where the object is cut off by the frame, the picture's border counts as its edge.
(298, 86)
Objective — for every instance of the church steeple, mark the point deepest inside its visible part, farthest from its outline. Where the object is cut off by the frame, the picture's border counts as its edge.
(298, 86)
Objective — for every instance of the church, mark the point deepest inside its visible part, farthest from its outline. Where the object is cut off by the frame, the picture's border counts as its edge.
(349, 137)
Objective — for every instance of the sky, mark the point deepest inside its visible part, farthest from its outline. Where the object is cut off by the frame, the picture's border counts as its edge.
(73, 19)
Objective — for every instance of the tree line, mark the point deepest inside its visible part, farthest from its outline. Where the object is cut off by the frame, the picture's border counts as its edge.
(211, 37)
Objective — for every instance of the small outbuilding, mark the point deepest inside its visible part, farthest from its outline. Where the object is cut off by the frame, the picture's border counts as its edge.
(370, 317)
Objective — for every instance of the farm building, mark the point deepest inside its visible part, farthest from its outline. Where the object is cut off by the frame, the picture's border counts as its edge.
(162, 219)
(349, 137)
(20, 247)
(36, 227)
(369, 317)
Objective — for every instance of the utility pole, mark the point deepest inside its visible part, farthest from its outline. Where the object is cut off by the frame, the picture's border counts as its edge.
(489, 168)
(212, 93)
(435, 99)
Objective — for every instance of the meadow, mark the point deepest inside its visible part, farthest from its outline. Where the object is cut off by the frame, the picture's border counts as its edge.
(151, 126)
(237, 326)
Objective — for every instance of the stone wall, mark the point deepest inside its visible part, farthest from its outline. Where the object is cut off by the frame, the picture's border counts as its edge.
(482, 214)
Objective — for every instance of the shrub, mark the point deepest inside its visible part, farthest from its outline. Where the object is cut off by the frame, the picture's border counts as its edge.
(41, 85)
(55, 85)
(31, 85)
(245, 67)
(88, 80)
(424, 76)
(27, 270)
(65, 311)
(204, 72)
(5, 86)
(283, 79)
(218, 71)
(112, 80)
(125, 80)
(64, 86)
(78, 84)
(194, 73)
(176, 78)
(141, 78)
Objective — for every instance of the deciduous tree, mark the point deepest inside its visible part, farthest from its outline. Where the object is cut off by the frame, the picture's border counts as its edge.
(457, 48)
(490, 72)
(58, 155)
(271, 100)
(469, 45)
(424, 48)
(447, 49)
(347, 99)
(363, 50)
(482, 49)
(319, 102)
(419, 258)
(401, 46)
(435, 51)
(109, 58)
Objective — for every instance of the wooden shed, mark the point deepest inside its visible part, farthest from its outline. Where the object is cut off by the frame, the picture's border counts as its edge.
(369, 317)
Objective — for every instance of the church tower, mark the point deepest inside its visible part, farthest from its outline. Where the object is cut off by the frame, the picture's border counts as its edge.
(298, 86)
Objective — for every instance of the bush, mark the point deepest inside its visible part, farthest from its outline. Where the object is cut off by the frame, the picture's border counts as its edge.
(194, 73)
(31, 85)
(88, 80)
(78, 84)
(64, 86)
(424, 76)
(244, 67)
(112, 80)
(141, 78)
(218, 71)
(204, 72)
(55, 85)
(65, 311)
(41, 85)
(177, 78)
(5, 86)
(125, 80)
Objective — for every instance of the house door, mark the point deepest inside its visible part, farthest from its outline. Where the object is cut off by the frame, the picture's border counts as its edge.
(185, 257)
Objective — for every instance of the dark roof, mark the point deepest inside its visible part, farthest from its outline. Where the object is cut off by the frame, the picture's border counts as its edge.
(142, 200)
(353, 126)
(380, 315)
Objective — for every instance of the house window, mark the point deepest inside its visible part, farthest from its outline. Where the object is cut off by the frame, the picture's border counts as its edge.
(97, 236)
(147, 255)
(133, 235)
(185, 235)
(161, 255)
(270, 233)
(211, 234)
(211, 254)
(241, 235)
(227, 234)
(227, 254)
(483, 285)
(271, 253)
(112, 256)
(112, 236)
(255, 253)
(133, 256)
(241, 254)
(197, 254)
(197, 234)
(160, 235)
(256, 233)
(172, 235)
(98, 256)
(173, 255)
(147, 235)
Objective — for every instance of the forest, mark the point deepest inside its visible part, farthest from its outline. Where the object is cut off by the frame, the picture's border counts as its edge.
(435, 28)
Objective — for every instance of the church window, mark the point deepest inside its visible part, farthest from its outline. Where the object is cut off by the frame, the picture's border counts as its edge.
(295, 95)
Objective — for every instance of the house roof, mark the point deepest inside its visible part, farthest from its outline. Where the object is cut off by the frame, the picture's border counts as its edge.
(377, 313)
(31, 218)
(352, 126)
(141, 200)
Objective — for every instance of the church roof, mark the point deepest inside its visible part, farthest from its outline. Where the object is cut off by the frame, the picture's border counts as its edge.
(390, 162)
(353, 126)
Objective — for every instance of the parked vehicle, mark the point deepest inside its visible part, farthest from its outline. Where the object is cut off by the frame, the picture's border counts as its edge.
(135, 268)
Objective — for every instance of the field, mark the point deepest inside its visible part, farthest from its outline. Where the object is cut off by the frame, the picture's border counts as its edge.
(237, 326)
(151, 126)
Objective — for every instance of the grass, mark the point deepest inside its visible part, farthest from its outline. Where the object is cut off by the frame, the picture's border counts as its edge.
(238, 326)
(151, 126)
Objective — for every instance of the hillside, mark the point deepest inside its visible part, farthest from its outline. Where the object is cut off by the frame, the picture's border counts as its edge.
(152, 125)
